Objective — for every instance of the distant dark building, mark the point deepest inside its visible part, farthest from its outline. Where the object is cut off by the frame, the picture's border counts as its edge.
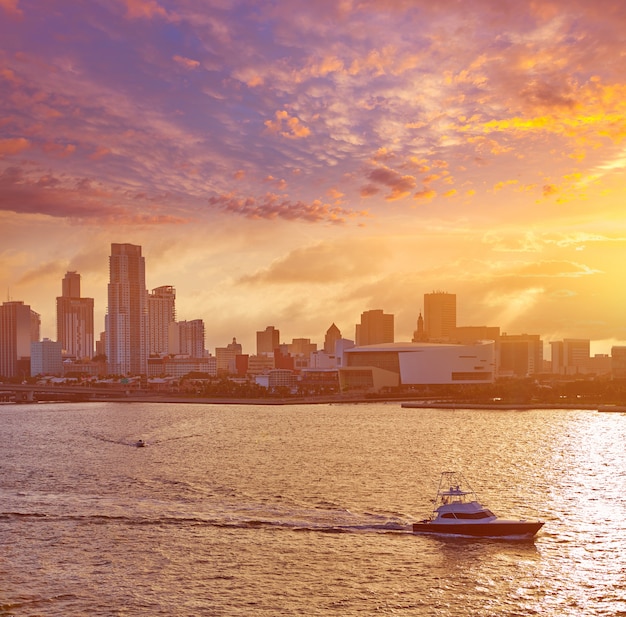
(520, 355)
(19, 327)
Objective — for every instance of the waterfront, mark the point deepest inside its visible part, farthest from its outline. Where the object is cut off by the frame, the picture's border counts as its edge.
(304, 510)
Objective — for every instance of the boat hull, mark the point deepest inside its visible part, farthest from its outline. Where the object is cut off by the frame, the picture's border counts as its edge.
(493, 529)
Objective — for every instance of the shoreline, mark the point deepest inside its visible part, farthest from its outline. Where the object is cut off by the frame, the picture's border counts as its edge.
(403, 402)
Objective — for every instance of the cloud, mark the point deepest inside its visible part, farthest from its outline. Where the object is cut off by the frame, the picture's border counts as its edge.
(401, 186)
(287, 126)
(11, 7)
(187, 63)
(81, 200)
(144, 9)
(14, 145)
(325, 263)
(555, 269)
(272, 206)
(425, 194)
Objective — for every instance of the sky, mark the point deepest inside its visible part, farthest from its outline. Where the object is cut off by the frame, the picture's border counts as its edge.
(297, 163)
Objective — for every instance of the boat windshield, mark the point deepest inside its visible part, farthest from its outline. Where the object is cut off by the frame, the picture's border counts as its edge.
(469, 515)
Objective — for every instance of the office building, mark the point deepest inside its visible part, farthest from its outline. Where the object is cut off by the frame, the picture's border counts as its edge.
(46, 358)
(618, 362)
(333, 334)
(126, 319)
(267, 341)
(376, 327)
(161, 313)
(521, 355)
(226, 357)
(439, 316)
(187, 338)
(19, 327)
(570, 356)
(75, 328)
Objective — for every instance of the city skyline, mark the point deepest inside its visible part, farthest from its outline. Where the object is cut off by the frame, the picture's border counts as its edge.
(299, 167)
(138, 321)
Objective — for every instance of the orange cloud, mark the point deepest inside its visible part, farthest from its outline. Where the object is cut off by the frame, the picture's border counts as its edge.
(287, 126)
(425, 194)
(335, 194)
(188, 63)
(400, 185)
(147, 9)
(320, 68)
(59, 150)
(272, 206)
(11, 7)
(99, 153)
(13, 145)
(500, 185)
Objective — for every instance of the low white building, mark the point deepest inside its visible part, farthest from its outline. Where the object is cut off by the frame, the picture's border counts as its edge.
(429, 363)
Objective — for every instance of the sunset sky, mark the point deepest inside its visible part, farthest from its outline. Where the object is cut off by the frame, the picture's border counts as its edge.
(297, 163)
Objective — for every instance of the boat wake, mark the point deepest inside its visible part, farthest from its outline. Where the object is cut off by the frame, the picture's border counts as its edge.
(201, 521)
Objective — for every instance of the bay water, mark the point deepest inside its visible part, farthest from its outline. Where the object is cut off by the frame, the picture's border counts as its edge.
(304, 510)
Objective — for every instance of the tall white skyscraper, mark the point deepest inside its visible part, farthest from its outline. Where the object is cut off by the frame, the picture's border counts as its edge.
(126, 319)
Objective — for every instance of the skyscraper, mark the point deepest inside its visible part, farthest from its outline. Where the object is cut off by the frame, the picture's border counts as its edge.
(161, 313)
(19, 327)
(75, 329)
(333, 334)
(126, 320)
(439, 315)
(375, 327)
(187, 338)
(267, 341)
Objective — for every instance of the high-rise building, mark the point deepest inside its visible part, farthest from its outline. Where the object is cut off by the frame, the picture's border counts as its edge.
(19, 327)
(70, 286)
(439, 316)
(75, 330)
(187, 338)
(333, 334)
(161, 313)
(267, 341)
(376, 327)
(126, 319)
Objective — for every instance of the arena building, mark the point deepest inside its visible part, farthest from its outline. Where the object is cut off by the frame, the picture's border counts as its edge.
(427, 363)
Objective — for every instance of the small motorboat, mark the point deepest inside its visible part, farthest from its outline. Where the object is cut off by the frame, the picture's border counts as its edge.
(457, 512)
(140, 443)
